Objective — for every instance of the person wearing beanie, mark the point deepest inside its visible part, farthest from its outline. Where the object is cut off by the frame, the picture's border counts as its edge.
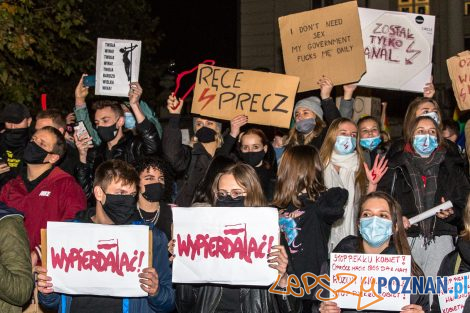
(313, 116)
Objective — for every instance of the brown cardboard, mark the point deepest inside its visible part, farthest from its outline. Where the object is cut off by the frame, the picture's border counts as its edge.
(326, 41)
(459, 72)
(223, 93)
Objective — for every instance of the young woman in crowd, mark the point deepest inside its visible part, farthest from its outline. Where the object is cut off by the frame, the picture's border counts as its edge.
(458, 261)
(307, 210)
(256, 150)
(421, 177)
(343, 163)
(192, 162)
(238, 186)
(381, 232)
(370, 139)
(155, 190)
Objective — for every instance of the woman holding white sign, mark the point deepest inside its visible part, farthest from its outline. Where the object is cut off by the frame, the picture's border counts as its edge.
(239, 186)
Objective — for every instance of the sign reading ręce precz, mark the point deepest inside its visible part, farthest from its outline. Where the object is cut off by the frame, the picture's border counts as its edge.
(224, 245)
(223, 93)
(93, 259)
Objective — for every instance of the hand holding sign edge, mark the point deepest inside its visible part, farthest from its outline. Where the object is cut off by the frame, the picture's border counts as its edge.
(149, 281)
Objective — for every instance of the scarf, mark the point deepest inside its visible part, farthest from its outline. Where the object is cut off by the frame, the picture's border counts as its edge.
(423, 173)
(345, 178)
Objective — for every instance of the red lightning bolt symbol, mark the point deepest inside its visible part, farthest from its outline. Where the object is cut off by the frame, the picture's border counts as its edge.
(409, 50)
(208, 98)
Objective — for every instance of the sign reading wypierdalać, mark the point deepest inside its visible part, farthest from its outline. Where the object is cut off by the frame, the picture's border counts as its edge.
(117, 65)
(459, 72)
(224, 245)
(92, 259)
(397, 48)
(223, 93)
(323, 42)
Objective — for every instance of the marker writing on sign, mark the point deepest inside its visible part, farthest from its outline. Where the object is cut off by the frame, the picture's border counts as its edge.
(224, 246)
(98, 260)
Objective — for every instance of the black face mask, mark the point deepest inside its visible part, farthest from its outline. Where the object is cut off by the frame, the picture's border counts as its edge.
(205, 135)
(34, 154)
(107, 133)
(230, 202)
(154, 192)
(253, 158)
(120, 208)
(16, 137)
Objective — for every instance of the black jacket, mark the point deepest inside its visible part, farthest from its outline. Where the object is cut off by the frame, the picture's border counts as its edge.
(129, 149)
(448, 268)
(452, 184)
(69, 162)
(188, 163)
(351, 244)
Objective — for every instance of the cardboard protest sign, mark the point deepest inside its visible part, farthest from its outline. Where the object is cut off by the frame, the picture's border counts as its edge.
(459, 72)
(325, 41)
(398, 49)
(360, 271)
(93, 259)
(224, 245)
(223, 93)
(458, 287)
(117, 64)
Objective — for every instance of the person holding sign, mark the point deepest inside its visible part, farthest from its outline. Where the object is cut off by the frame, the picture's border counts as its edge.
(115, 189)
(381, 231)
(423, 176)
(307, 209)
(239, 186)
(193, 162)
(343, 163)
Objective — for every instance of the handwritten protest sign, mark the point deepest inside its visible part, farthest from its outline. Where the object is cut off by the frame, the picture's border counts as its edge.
(459, 72)
(361, 271)
(266, 98)
(458, 287)
(117, 64)
(224, 245)
(325, 41)
(97, 259)
(398, 49)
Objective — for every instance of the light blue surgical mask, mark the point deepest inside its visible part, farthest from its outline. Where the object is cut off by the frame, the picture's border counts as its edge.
(375, 230)
(129, 120)
(370, 143)
(345, 145)
(425, 145)
(432, 115)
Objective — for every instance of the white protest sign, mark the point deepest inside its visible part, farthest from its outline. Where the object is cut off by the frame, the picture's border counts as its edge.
(117, 64)
(224, 245)
(397, 48)
(458, 287)
(363, 270)
(94, 259)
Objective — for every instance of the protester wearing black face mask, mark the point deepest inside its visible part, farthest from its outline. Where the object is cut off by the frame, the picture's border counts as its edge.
(190, 163)
(155, 189)
(116, 142)
(115, 190)
(256, 150)
(13, 140)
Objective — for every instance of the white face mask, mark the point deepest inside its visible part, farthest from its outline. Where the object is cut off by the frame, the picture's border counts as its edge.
(432, 115)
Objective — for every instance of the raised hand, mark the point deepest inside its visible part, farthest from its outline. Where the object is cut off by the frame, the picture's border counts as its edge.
(326, 86)
(236, 123)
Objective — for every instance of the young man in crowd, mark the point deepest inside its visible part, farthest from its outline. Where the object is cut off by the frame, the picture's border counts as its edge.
(54, 118)
(13, 140)
(42, 191)
(115, 191)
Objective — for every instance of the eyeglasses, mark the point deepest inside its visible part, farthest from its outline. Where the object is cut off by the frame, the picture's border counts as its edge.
(234, 194)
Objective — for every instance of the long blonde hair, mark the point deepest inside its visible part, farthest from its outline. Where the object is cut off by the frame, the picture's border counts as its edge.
(329, 144)
(297, 138)
(466, 221)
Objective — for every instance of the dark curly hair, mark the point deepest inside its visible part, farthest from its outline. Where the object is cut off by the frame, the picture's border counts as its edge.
(148, 163)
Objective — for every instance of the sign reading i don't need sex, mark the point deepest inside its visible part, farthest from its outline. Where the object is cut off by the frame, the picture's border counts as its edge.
(223, 93)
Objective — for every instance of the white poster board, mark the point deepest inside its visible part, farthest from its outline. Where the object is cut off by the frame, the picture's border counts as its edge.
(117, 65)
(368, 266)
(94, 259)
(397, 48)
(458, 287)
(224, 245)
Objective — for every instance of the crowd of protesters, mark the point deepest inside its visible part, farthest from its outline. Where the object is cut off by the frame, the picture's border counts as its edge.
(339, 185)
